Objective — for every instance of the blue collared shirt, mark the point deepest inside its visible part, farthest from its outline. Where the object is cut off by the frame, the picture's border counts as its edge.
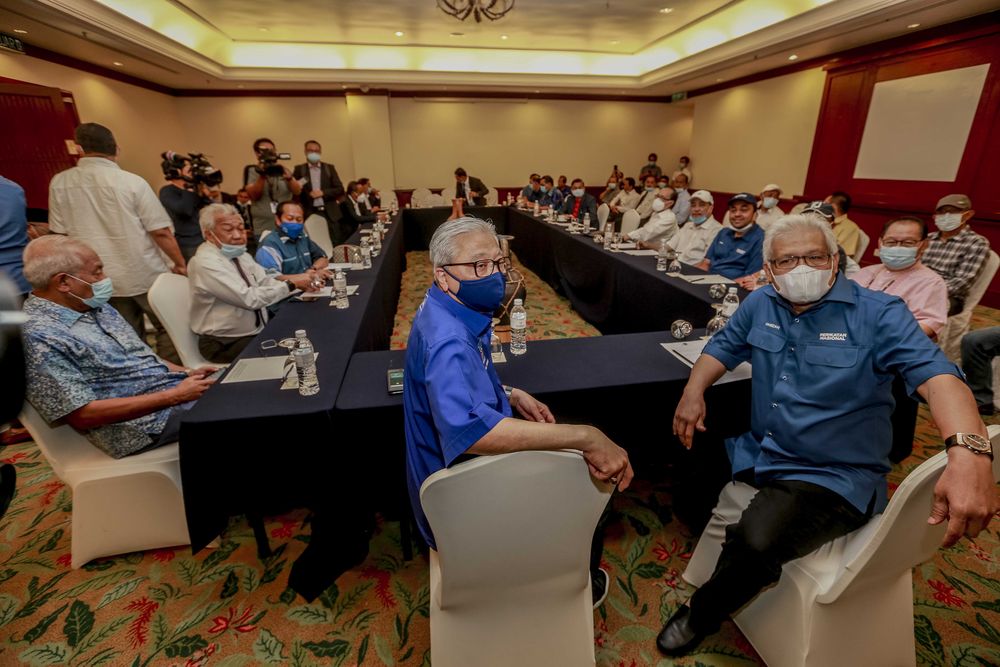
(279, 254)
(552, 198)
(822, 386)
(13, 232)
(736, 256)
(452, 396)
(74, 358)
(531, 194)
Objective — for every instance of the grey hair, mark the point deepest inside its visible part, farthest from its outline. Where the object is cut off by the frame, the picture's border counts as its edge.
(207, 215)
(443, 244)
(51, 255)
(793, 223)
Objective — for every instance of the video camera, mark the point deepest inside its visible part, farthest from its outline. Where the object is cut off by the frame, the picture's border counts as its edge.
(269, 162)
(202, 171)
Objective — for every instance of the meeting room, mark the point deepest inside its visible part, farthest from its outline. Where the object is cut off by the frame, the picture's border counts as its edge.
(489, 333)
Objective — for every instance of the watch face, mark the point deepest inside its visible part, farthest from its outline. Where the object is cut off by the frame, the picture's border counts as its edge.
(977, 442)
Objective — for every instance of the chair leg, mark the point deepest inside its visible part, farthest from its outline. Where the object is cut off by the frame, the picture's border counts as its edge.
(406, 535)
(256, 522)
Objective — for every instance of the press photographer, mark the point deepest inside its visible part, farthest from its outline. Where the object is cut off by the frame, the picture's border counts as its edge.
(268, 182)
(181, 201)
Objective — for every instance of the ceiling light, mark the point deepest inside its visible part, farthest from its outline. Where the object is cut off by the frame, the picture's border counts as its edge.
(666, 10)
(240, 86)
(25, 32)
(399, 33)
(538, 91)
(117, 64)
(718, 80)
(793, 57)
(616, 41)
(503, 36)
(463, 9)
(911, 26)
(263, 29)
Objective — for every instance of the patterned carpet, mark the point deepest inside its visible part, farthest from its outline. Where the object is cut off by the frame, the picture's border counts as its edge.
(225, 607)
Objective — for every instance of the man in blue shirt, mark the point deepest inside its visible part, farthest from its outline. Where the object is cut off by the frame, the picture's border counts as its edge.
(288, 252)
(13, 232)
(454, 404)
(736, 253)
(532, 192)
(551, 196)
(824, 352)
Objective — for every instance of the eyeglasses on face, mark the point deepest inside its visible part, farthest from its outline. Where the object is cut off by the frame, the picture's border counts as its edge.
(485, 267)
(789, 262)
(894, 243)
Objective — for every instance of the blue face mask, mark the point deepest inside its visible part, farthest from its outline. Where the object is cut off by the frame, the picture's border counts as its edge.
(230, 251)
(578, 192)
(482, 295)
(545, 189)
(292, 230)
(313, 157)
(650, 189)
(102, 289)
(770, 202)
(897, 258)
(698, 219)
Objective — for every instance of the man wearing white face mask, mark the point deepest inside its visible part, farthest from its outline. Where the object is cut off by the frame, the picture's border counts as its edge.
(813, 465)
(693, 239)
(769, 210)
(662, 224)
(321, 189)
(956, 252)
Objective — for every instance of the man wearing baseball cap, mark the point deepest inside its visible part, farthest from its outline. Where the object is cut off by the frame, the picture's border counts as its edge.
(768, 211)
(955, 251)
(693, 239)
(736, 252)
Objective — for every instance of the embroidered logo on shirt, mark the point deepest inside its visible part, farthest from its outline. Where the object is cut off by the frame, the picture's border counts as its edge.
(772, 325)
(741, 251)
(833, 336)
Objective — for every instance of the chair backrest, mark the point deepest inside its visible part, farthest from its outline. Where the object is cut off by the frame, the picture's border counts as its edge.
(527, 517)
(630, 221)
(343, 252)
(901, 538)
(388, 198)
(978, 287)
(318, 231)
(603, 211)
(263, 234)
(170, 299)
(863, 241)
(419, 197)
(437, 200)
(492, 197)
(63, 446)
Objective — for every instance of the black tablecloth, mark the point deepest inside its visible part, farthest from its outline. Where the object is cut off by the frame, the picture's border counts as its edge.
(242, 445)
(421, 223)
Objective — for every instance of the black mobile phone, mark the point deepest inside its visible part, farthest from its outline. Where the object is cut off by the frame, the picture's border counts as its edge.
(394, 379)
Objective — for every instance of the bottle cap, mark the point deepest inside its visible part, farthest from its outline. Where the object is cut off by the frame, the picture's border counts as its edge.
(300, 333)
(518, 302)
(732, 290)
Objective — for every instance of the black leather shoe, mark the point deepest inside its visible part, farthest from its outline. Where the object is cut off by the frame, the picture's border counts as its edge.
(987, 410)
(678, 637)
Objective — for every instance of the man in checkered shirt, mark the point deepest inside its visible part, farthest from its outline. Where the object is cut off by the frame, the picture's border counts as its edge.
(955, 251)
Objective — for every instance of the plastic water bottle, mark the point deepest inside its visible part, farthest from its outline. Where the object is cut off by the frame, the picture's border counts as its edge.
(661, 256)
(366, 254)
(376, 240)
(609, 230)
(340, 289)
(518, 328)
(538, 209)
(730, 303)
(586, 223)
(305, 364)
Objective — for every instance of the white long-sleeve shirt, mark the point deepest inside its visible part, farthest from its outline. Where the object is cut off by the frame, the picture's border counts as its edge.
(662, 225)
(222, 303)
(625, 200)
(644, 207)
(692, 241)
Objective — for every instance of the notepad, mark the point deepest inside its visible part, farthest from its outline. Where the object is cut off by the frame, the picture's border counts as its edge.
(688, 351)
(642, 253)
(706, 279)
(254, 369)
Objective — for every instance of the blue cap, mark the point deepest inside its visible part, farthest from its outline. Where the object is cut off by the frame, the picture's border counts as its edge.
(744, 197)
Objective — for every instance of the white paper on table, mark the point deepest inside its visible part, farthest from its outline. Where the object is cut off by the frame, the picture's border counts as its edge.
(623, 246)
(333, 266)
(688, 351)
(709, 279)
(642, 253)
(324, 292)
(258, 368)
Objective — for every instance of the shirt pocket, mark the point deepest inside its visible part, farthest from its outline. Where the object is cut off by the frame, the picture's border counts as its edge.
(766, 340)
(837, 356)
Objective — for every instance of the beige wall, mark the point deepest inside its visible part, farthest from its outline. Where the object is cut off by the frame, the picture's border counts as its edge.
(134, 114)
(755, 134)
(502, 142)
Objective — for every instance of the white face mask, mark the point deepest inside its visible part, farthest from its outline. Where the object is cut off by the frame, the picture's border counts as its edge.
(804, 284)
(659, 204)
(947, 222)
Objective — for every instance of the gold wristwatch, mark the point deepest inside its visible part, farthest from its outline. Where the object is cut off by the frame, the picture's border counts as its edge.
(971, 441)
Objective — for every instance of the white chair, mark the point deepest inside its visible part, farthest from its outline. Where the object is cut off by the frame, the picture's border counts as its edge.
(319, 232)
(448, 193)
(388, 198)
(509, 580)
(420, 197)
(950, 338)
(170, 299)
(863, 241)
(850, 602)
(603, 211)
(437, 200)
(492, 197)
(119, 505)
(630, 221)
(345, 252)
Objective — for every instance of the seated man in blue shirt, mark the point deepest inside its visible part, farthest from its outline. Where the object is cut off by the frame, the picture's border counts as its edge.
(85, 364)
(551, 196)
(736, 253)
(532, 192)
(454, 404)
(288, 252)
(824, 352)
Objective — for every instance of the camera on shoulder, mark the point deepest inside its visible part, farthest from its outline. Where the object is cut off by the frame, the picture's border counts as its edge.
(268, 164)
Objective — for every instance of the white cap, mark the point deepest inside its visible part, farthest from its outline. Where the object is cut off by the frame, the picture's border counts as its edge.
(704, 196)
(771, 186)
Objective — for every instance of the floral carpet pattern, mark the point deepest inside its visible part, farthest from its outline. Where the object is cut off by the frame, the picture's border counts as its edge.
(226, 607)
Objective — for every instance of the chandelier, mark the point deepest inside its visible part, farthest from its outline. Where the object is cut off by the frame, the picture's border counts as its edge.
(491, 9)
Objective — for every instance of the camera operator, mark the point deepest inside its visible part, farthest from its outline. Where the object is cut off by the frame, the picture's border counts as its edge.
(181, 202)
(268, 184)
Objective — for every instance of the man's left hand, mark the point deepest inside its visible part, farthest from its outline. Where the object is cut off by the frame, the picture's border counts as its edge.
(530, 407)
(965, 495)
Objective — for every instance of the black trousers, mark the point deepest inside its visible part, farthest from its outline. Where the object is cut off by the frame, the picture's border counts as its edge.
(784, 521)
(222, 349)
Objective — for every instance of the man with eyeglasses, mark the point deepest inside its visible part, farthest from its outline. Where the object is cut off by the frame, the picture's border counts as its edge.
(454, 404)
(812, 467)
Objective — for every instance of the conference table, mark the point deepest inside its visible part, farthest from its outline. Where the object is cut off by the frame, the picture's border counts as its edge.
(252, 448)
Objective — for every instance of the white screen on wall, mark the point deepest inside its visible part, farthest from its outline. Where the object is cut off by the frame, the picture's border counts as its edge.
(918, 126)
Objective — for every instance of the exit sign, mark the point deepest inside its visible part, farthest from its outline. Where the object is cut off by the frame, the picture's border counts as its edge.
(678, 97)
(10, 43)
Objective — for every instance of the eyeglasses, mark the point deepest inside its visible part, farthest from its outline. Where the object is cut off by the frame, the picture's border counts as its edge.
(791, 261)
(485, 267)
(893, 243)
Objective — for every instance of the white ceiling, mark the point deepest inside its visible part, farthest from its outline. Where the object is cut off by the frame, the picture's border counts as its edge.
(552, 46)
